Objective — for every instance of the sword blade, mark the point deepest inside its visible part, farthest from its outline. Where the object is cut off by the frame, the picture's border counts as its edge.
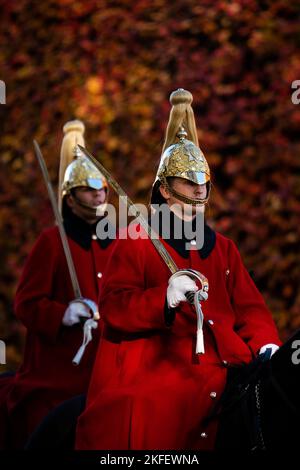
(59, 221)
(134, 211)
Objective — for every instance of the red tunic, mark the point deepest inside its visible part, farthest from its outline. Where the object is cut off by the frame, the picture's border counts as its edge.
(47, 376)
(149, 390)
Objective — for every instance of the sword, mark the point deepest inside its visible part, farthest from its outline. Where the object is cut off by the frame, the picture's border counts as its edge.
(74, 280)
(193, 298)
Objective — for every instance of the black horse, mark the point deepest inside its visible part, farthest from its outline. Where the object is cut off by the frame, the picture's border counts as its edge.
(259, 409)
(57, 430)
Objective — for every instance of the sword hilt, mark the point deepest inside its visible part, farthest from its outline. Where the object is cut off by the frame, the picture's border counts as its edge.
(196, 276)
(190, 296)
(91, 305)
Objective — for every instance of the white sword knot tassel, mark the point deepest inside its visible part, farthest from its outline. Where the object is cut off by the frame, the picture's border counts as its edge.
(89, 325)
(196, 298)
(200, 295)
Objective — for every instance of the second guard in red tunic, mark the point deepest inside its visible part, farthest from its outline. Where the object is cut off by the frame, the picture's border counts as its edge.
(45, 298)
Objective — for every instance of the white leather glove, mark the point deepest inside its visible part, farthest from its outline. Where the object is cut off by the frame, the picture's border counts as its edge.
(272, 346)
(177, 289)
(74, 312)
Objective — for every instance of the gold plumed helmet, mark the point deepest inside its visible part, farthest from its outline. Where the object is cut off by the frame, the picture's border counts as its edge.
(75, 169)
(181, 156)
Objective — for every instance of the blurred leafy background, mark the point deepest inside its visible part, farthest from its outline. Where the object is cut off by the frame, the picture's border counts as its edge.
(113, 64)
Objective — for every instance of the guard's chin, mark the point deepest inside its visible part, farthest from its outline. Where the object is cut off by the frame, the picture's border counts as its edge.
(101, 209)
(199, 209)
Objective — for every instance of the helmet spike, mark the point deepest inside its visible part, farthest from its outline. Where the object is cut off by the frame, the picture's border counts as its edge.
(181, 134)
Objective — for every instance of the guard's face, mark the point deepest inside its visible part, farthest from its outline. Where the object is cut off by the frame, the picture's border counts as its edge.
(186, 188)
(89, 199)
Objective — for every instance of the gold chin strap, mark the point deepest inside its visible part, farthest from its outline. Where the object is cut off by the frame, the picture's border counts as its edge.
(185, 199)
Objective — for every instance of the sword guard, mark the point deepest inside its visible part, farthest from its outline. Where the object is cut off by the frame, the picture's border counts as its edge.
(202, 294)
(91, 305)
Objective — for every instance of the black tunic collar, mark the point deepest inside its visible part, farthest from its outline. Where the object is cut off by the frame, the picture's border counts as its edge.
(82, 232)
(180, 245)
